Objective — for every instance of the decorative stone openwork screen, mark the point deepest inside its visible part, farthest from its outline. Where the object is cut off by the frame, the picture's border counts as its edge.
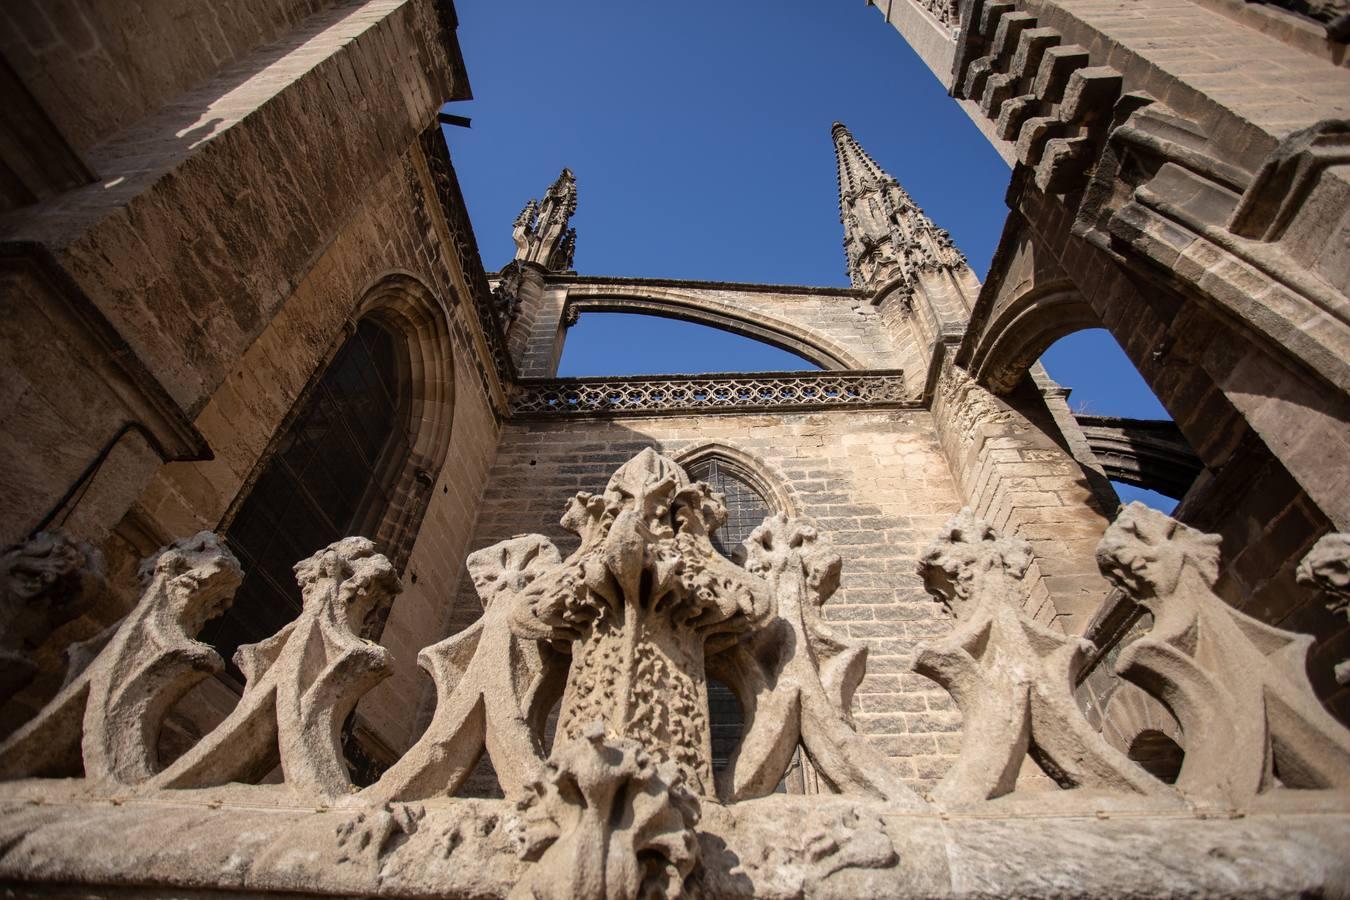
(624, 631)
(646, 395)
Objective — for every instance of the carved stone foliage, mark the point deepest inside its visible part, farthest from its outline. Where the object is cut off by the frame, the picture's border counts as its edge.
(1011, 676)
(604, 823)
(44, 582)
(1237, 687)
(641, 600)
(109, 715)
(1327, 566)
(302, 682)
(888, 240)
(795, 676)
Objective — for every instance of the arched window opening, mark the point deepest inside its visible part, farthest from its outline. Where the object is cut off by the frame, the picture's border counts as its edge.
(603, 343)
(1127, 430)
(746, 509)
(1158, 754)
(333, 473)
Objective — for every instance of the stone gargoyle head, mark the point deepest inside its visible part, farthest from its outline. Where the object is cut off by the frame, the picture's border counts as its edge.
(364, 581)
(966, 552)
(1145, 553)
(196, 577)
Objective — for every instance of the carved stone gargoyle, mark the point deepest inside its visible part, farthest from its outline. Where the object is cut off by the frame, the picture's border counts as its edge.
(642, 601)
(1011, 677)
(109, 715)
(1327, 566)
(302, 682)
(493, 688)
(45, 582)
(603, 822)
(795, 676)
(1237, 687)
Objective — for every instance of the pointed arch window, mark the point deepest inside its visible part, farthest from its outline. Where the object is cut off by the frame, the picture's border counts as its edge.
(746, 506)
(358, 456)
(331, 474)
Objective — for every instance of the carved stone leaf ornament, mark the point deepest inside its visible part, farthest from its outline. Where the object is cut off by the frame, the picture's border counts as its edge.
(1238, 687)
(302, 682)
(1011, 676)
(641, 601)
(110, 714)
(795, 676)
(605, 823)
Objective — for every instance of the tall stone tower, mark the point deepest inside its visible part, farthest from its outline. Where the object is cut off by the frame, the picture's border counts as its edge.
(904, 264)
(545, 244)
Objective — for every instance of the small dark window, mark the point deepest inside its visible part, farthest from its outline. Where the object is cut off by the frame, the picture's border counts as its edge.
(746, 509)
(330, 476)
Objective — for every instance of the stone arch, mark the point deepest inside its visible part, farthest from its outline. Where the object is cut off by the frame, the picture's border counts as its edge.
(777, 331)
(749, 469)
(404, 305)
(1019, 331)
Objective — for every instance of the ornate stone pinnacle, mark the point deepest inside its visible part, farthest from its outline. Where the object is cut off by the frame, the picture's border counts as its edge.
(888, 240)
(541, 230)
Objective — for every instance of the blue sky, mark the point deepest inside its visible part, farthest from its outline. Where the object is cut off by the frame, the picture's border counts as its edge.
(699, 133)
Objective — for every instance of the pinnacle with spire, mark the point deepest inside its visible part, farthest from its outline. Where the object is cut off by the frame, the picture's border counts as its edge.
(888, 240)
(541, 231)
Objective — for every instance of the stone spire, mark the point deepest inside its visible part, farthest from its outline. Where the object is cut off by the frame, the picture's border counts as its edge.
(541, 233)
(887, 239)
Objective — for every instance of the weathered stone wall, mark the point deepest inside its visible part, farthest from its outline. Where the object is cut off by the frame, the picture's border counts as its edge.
(876, 482)
(395, 230)
(98, 66)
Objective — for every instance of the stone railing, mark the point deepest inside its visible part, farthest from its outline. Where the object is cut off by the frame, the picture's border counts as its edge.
(645, 395)
(620, 636)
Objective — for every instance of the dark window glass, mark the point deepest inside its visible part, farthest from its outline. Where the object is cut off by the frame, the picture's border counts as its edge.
(746, 509)
(330, 477)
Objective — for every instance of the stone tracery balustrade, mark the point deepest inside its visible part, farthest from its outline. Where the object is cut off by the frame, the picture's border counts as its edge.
(625, 805)
(645, 395)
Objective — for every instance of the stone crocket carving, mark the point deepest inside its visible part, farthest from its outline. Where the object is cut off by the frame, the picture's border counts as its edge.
(604, 823)
(795, 676)
(109, 715)
(487, 680)
(302, 682)
(45, 582)
(1327, 566)
(1011, 677)
(642, 600)
(1237, 687)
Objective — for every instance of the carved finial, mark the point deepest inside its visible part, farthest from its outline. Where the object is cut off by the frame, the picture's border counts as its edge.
(1145, 552)
(888, 241)
(967, 548)
(541, 231)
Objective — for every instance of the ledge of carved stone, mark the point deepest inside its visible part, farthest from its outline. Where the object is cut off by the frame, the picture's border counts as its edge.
(63, 833)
